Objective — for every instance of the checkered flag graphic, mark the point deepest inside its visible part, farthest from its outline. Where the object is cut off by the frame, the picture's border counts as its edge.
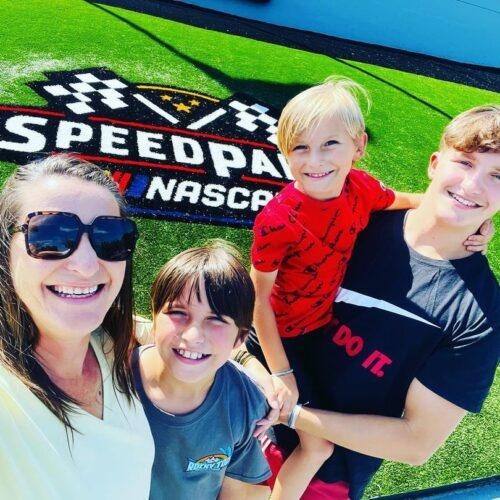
(253, 117)
(85, 93)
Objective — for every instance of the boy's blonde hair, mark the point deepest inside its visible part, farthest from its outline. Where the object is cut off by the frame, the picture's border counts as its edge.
(337, 97)
(476, 130)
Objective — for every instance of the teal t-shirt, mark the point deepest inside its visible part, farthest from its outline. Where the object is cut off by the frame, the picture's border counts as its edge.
(194, 451)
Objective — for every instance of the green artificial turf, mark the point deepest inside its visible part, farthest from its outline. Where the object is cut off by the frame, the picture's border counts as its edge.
(409, 112)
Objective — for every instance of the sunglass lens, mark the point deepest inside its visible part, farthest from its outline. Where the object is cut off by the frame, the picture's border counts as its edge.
(113, 238)
(52, 236)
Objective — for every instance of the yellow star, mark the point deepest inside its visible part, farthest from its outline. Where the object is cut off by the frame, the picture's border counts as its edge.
(194, 102)
(182, 107)
(166, 97)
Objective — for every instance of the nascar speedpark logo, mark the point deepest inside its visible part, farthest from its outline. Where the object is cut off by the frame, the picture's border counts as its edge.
(175, 153)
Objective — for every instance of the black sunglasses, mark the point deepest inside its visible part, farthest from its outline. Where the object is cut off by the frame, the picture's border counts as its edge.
(56, 235)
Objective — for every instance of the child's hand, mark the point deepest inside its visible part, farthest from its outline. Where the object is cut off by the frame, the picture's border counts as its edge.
(287, 392)
(271, 418)
(283, 417)
(479, 242)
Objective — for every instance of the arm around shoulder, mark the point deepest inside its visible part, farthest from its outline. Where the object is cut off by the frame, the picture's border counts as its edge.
(405, 200)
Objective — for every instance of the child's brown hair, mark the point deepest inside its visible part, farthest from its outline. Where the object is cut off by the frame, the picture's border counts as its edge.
(230, 291)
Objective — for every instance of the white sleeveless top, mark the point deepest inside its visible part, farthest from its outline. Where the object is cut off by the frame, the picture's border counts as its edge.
(108, 459)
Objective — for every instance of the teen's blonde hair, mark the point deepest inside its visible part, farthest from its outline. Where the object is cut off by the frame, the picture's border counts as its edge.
(337, 97)
(476, 130)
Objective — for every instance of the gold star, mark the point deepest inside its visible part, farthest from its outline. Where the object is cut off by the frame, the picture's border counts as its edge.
(194, 102)
(182, 107)
(166, 97)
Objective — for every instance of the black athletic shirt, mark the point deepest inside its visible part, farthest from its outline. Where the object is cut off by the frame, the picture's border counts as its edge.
(402, 315)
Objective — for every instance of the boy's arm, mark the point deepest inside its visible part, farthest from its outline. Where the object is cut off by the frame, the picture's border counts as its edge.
(412, 439)
(265, 321)
(269, 339)
(232, 489)
(405, 200)
(477, 242)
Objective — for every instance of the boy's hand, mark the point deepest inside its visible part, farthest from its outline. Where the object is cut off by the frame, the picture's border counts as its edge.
(284, 416)
(274, 408)
(269, 420)
(479, 242)
(287, 392)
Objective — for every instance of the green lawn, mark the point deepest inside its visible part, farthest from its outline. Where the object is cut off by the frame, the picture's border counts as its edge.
(409, 111)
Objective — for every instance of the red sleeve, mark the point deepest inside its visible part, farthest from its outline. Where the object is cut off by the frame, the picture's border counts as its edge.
(373, 191)
(271, 240)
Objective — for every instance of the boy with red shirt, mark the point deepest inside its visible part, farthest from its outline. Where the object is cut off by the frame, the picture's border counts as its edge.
(303, 240)
(311, 239)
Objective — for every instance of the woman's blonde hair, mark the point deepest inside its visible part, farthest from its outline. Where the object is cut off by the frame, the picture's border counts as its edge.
(337, 97)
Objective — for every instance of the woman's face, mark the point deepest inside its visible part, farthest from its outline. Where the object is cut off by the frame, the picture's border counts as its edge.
(68, 298)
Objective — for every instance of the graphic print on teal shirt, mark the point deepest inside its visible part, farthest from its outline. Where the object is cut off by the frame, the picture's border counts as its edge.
(212, 462)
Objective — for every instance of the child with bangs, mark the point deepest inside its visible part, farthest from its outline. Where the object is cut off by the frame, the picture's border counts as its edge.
(201, 408)
(303, 240)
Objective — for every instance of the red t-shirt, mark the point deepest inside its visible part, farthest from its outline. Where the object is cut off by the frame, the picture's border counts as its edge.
(310, 242)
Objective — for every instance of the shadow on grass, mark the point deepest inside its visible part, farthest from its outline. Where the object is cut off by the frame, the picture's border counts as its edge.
(276, 94)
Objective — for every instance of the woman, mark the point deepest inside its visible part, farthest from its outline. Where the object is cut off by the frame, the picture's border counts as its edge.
(71, 426)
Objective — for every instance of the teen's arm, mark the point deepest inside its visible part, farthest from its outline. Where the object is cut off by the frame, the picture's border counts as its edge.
(232, 488)
(405, 200)
(427, 421)
(477, 242)
(269, 339)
